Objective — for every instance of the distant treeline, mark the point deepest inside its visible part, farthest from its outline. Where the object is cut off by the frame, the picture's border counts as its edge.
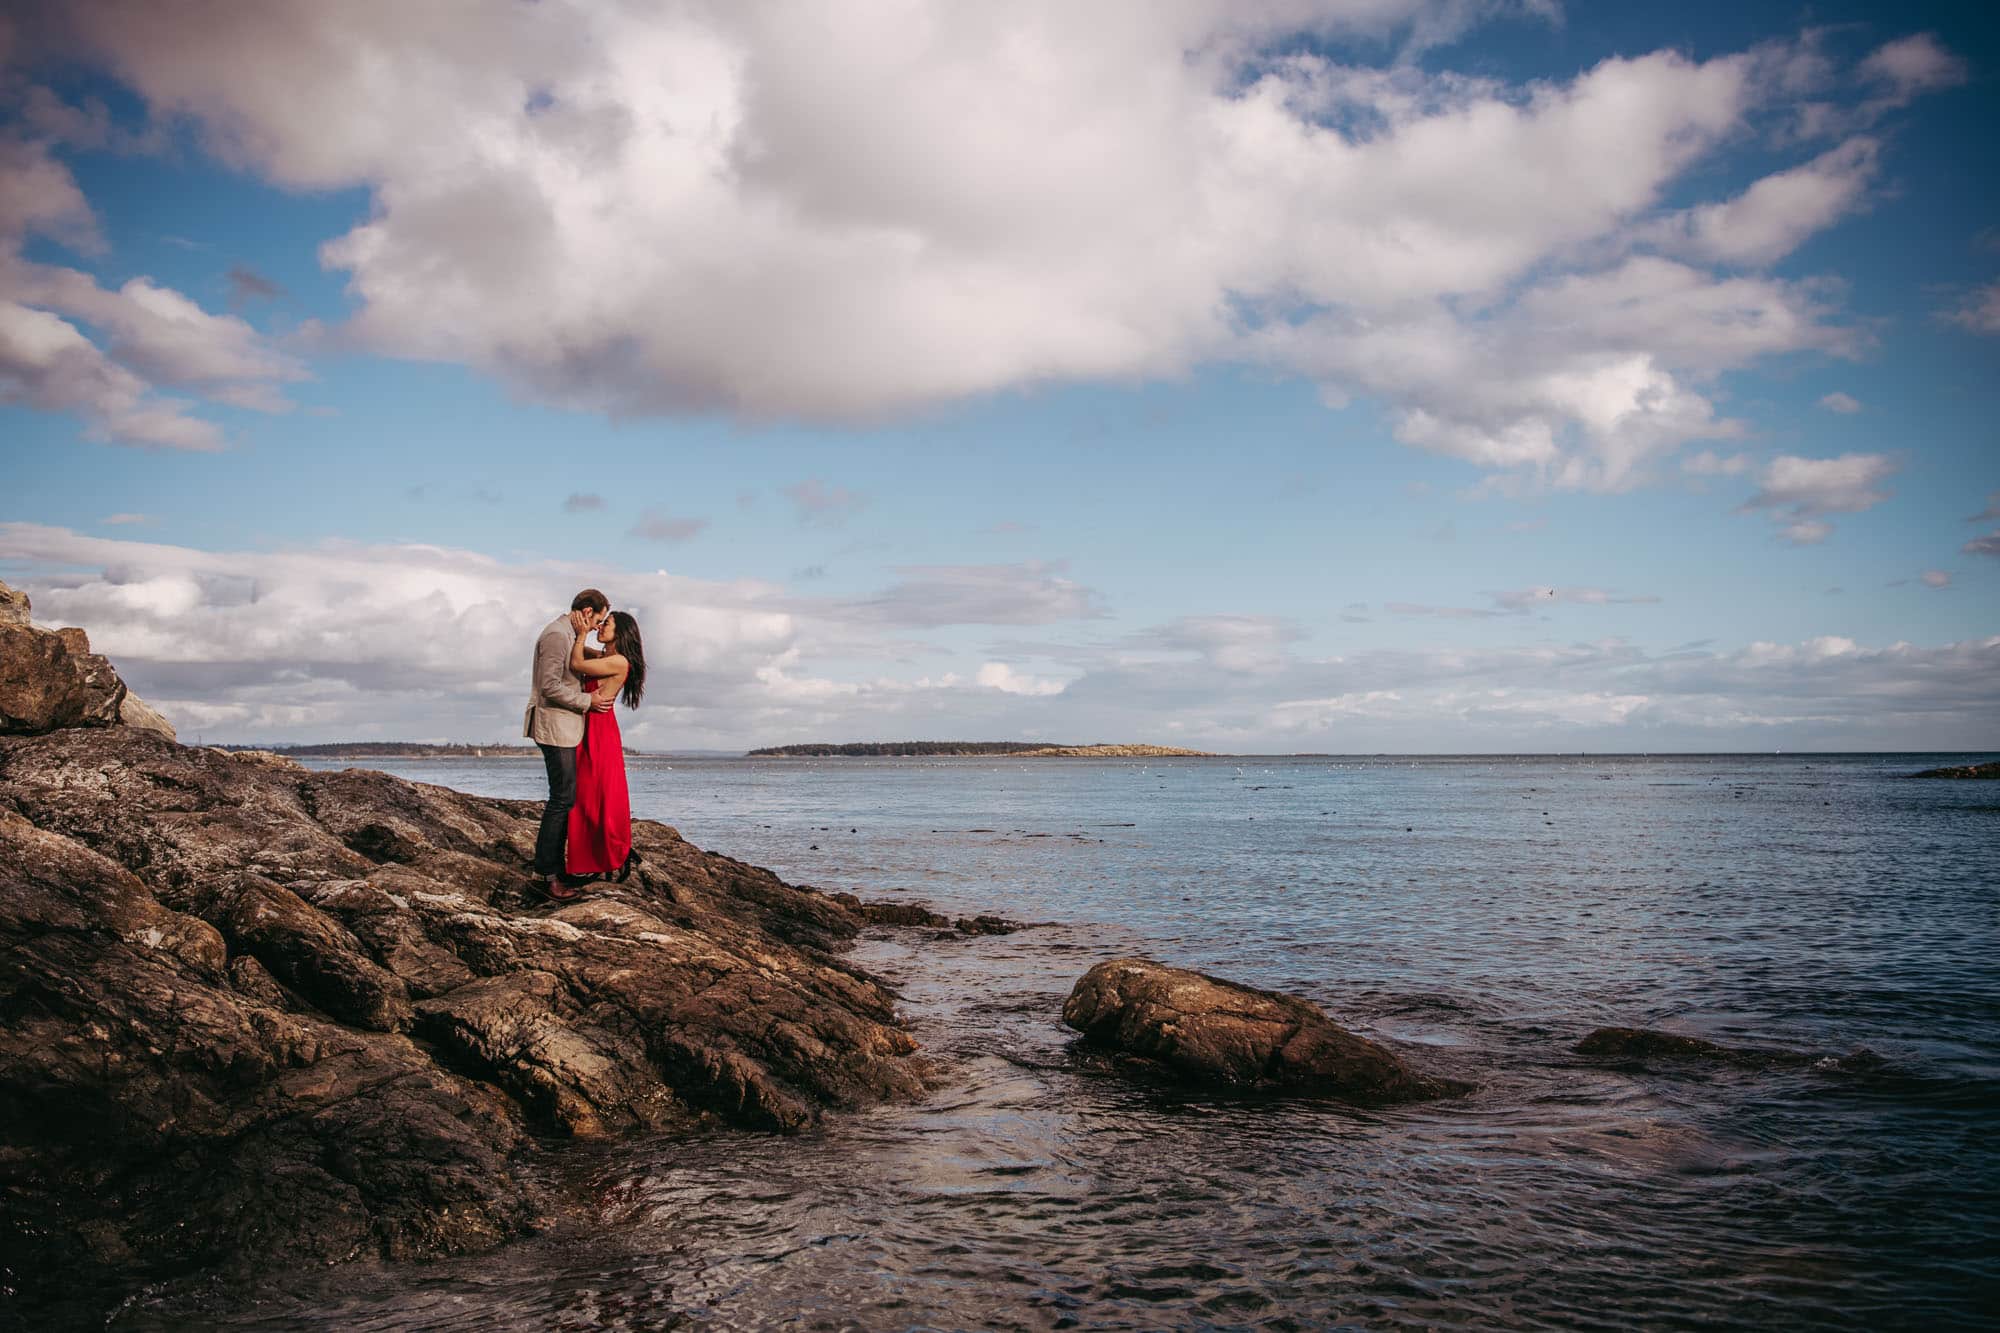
(868, 748)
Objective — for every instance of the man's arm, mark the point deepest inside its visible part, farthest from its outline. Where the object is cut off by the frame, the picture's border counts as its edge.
(553, 683)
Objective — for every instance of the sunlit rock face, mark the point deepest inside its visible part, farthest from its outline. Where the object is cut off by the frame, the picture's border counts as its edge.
(51, 679)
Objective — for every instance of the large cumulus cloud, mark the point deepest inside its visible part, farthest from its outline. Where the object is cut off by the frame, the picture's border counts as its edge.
(844, 213)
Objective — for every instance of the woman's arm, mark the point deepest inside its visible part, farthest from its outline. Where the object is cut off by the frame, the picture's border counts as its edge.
(610, 665)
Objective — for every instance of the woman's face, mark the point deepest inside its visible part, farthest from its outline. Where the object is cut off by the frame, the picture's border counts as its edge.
(607, 632)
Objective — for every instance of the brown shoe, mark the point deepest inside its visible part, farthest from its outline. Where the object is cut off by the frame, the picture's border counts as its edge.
(556, 889)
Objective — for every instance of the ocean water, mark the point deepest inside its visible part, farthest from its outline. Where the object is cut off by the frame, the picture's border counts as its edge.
(1481, 914)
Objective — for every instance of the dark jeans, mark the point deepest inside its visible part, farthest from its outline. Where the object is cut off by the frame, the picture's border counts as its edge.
(560, 760)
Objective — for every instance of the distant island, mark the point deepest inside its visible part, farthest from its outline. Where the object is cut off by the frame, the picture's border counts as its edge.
(948, 749)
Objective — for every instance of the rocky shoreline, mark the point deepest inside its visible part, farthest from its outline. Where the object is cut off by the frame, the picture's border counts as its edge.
(256, 1017)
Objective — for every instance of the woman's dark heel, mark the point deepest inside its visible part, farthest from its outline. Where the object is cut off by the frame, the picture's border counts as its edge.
(632, 858)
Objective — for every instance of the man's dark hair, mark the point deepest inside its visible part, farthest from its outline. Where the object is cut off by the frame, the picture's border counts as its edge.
(590, 599)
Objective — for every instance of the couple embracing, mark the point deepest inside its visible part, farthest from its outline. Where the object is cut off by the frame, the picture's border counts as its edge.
(587, 824)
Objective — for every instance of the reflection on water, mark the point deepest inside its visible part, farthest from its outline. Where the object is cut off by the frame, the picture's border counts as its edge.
(1481, 913)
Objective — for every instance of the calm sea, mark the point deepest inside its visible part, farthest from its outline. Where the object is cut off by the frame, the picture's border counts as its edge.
(1481, 913)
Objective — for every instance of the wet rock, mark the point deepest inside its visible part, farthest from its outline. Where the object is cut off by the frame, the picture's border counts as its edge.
(254, 1015)
(987, 925)
(1639, 1045)
(1642, 1043)
(891, 914)
(1963, 771)
(1205, 1029)
(915, 914)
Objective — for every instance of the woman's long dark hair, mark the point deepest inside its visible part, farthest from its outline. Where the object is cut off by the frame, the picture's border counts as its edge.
(626, 640)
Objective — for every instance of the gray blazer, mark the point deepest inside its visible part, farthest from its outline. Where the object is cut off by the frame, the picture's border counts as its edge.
(557, 706)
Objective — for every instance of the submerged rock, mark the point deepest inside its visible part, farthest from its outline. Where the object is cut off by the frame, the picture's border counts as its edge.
(1205, 1029)
(915, 914)
(253, 1015)
(1645, 1043)
(1638, 1045)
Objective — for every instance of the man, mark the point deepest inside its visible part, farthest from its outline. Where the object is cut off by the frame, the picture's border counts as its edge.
(554, 721)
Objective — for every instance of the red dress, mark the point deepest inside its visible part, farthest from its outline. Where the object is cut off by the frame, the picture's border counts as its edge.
(600, 823)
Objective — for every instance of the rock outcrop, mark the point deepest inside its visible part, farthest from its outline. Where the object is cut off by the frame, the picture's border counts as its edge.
(253, 1015)
(1204, 1029)
(50, 679)
(1963, 771)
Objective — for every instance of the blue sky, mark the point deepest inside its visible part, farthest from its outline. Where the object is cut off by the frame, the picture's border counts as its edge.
(1335, 377)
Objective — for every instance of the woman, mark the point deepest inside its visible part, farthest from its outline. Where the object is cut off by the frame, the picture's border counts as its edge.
(600, 823)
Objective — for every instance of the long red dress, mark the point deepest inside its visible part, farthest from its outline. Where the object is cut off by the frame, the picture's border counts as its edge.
(600, 823)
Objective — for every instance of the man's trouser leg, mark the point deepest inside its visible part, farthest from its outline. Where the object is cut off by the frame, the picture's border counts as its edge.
(560, 760)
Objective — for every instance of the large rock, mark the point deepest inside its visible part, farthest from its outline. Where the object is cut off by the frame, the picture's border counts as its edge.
(1988, 771)
(1205, 1029)
(253, 1015)
(50, 679)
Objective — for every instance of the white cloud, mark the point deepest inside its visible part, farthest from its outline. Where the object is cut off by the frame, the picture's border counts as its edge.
(38, 195)
(815, 502)
(1911, 66)
(846, 213)
(1525, 599)
(1708, 463)
(1443, 612)
(1979, 311)
(147, 335)
(928, 596)
(1843, 403)
(1936, 578)
(1800, 491)
(1233, 643)
(46, 363)
(1806, 531)
(1987, 545)
(1771, 218)
(1000, 676)
(317, 643)
(1992, 510)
